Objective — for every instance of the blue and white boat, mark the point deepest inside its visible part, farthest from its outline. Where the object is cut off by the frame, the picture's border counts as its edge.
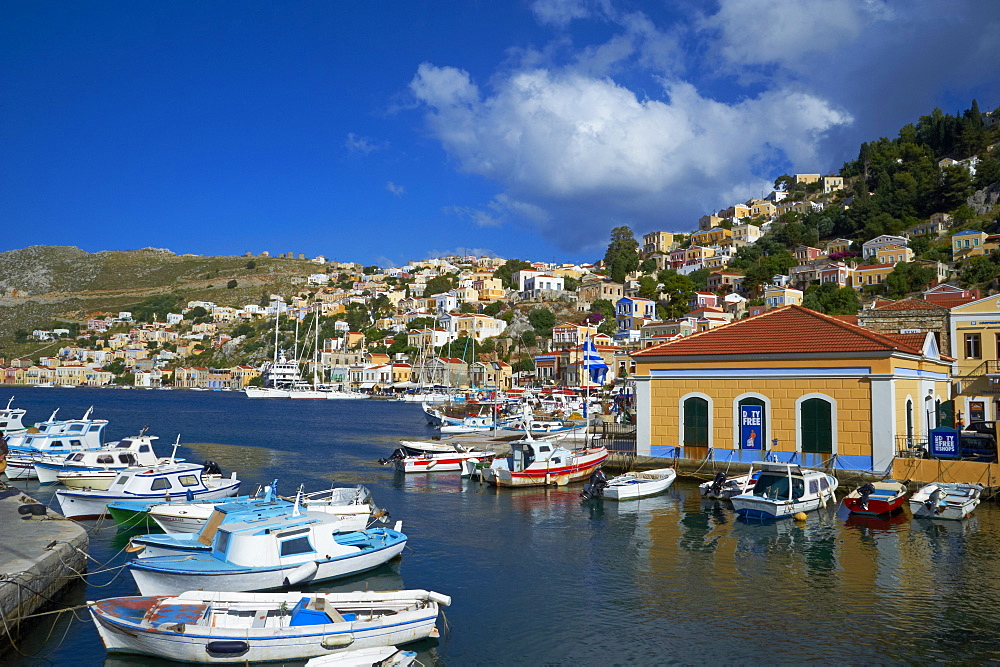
(10, 420)
(268, 553)
(52, 438)
(149, 485)
(783, 490)
(202, 627)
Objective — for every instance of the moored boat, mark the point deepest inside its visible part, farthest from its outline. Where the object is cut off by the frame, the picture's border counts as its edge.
(941, 500)
(436, 461)
(74, 470)
(876, 498)
(543, 462)
(147, 485)
(783, 490)
(53, 437)
(201, 627)
(639, 484)
(10, 419)
(275, 552)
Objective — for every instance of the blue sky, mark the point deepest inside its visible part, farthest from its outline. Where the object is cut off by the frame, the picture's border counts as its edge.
(380, 132)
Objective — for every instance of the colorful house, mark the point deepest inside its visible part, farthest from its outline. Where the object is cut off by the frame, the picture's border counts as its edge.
(792, 385)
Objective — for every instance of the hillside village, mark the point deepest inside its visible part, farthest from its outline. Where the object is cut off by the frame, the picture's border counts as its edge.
(898, 241)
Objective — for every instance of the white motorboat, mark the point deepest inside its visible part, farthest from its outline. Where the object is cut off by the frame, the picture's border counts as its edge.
(201, 627)
(439, 461)
(543, 462)
(353, 507)
(96, 469)
(276, 552)
(640, 484)
(10, 420)
(418, 447)
(383, 656)
(785, 489)
(52, 438)
(941, 500)
(180, 480)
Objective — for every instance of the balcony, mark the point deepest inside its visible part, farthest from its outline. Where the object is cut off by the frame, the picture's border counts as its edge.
(989, 368)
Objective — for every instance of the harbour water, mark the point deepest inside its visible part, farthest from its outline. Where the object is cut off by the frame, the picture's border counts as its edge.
(539, 577)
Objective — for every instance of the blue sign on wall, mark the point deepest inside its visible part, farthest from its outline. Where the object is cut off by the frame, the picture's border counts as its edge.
(944, 443)
(751, 427)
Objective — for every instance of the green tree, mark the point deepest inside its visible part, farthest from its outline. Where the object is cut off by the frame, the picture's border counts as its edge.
(438, 285)
(907, 277)
(648, 266)
(493, 308)
(954, 189)
(21, 335)
(542, 319)
(605, 310)
(676, 292)
(506, 271)
(784, 183)
(357, 316)
(830, 299)
(622, 255)
(977, 270)
(648, 287)
(251, 265)
(231, 284)
(570, 284)
(195, 313)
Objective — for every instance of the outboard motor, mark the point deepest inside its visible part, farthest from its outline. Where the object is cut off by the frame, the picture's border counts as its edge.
(934, 501)
(594, 488)
(718, 483)
(397, 455)
(211, 468)
(866, 491)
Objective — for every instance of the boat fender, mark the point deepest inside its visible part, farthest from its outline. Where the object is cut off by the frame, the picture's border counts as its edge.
(338, 641)
(799, 516)
(227, 647)
(301, 573)
(398, 527)
(440, 598)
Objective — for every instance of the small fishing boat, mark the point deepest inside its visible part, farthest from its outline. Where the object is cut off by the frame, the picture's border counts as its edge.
(543, 462)
(640, 484)
(876, 498)
(353, 506)
(10, 420)
(149, 485)
(418, 447)
(96, 469)
(267, 553)
(723, 487)
(203, 627)
(941, 500)
(53, 437)
(436, 461)
(783, 490)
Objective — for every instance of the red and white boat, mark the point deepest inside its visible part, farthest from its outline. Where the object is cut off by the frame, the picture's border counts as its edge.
(430, 461)
(876, 498)
(543, 462)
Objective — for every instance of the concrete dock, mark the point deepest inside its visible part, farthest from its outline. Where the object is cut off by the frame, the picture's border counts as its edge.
(39, 556)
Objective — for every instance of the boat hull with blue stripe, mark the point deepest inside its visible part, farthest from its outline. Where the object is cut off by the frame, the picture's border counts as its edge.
(204, 627)
(148, 485)
(267, 554)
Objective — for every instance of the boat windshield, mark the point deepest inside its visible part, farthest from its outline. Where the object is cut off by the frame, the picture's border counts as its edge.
(771, 485)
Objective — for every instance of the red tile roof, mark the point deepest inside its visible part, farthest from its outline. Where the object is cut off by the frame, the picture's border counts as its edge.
(909, 304)
(787, 330)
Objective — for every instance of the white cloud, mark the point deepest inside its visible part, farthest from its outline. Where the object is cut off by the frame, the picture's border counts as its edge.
(782, 31)
(559, 12)
(397, 190)
(477, 216)
(357, 144)
(578, 154)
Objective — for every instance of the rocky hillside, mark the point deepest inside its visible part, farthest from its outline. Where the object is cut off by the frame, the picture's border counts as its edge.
(41, 285)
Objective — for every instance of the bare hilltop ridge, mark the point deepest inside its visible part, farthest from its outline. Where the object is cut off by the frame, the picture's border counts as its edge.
(40, 285)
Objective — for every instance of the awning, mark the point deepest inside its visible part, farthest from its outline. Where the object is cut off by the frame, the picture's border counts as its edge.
(367, 385)
(405, 385)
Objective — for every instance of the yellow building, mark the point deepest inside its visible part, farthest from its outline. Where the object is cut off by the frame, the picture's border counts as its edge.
(714, 236)
(873, 274)
(791, 384)
(969, 243)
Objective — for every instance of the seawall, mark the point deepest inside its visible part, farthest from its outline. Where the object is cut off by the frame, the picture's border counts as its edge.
(39, 556)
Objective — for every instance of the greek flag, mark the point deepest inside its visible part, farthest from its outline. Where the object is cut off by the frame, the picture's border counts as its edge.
(593, 362)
